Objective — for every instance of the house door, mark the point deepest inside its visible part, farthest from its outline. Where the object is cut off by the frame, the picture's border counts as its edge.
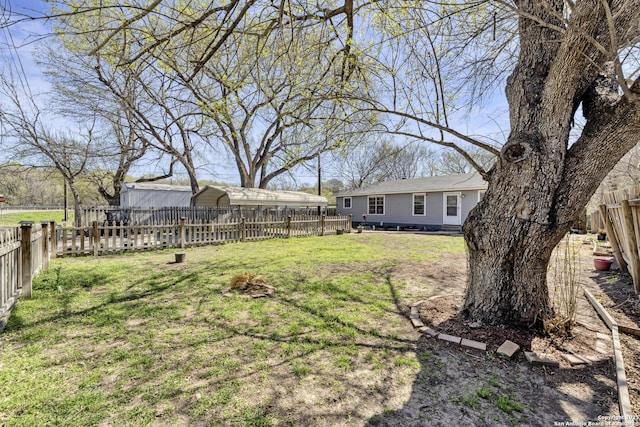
(452, 214)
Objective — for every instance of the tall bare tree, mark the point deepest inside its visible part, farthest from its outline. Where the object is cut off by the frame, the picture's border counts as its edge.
(375, 161)
(79, 91)
(33, 143)
(268, 106)
(449, 162)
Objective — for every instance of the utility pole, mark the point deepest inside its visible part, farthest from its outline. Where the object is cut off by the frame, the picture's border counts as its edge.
(66, 203)
(319, 184)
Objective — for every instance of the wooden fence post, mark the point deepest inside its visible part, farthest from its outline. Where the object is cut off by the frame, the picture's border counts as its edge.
(26, 228)
(53, 230)
(243, 230)
(288, 226)
(615, 245)
(183, 233)
(95, 237)
(633, 243)
(45, 245)
(349, 223)
(322, 225)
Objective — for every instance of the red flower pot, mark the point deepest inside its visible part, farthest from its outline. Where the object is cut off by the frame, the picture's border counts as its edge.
(602, 264)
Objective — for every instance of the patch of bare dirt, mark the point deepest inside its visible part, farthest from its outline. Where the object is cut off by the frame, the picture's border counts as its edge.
(250, 285)
(458, 386)
(442, 313)
(252, 291)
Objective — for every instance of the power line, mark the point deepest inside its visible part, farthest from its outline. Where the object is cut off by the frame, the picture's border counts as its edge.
(14, 56)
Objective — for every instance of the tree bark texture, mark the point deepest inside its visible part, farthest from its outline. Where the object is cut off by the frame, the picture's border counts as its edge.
(542, 182)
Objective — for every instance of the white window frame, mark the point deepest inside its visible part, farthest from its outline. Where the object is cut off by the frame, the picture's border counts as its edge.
(424, 204)
(369, 205)
(344, 203)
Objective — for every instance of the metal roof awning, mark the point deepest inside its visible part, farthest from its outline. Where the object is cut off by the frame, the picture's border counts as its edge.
(239, 196)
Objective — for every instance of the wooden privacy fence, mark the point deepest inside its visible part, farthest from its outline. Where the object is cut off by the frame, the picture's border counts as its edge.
(621, 214)
(24, 252)
(595, 222)
(99, 239)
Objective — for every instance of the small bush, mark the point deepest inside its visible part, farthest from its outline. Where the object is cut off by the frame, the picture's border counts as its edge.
(245, 281)
(566, 288)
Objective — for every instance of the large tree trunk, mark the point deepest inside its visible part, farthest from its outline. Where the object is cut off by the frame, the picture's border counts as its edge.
(508, 258)
(77, 203)
(541, 182)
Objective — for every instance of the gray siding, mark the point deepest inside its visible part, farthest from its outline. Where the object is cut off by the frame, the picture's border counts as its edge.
(469, 201)
(399, 208)
(358, 207)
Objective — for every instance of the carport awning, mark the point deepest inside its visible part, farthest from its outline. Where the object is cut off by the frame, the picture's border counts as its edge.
(239, 196)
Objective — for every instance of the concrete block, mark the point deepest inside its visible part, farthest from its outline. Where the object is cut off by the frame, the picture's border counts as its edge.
(427, 330)
(541, 359)
(508, 349)
(417, 323)
(575, 360)
(476, 345)
(450, 338)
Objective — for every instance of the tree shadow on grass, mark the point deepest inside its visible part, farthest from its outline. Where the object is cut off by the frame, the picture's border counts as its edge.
(149, 358)
(66, 297)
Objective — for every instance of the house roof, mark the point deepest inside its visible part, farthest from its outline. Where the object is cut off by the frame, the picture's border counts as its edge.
(153, 186)
(430, 184)
(239, 196)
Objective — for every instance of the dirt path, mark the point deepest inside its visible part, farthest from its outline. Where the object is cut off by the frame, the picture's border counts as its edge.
(614, 291)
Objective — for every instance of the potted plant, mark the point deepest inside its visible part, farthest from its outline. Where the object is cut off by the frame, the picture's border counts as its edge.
(360, 227)
(602, 264)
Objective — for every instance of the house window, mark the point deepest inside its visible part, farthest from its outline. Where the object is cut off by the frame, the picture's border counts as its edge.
(452, 204)
(376, 205)
(419, 204)
(346, 203)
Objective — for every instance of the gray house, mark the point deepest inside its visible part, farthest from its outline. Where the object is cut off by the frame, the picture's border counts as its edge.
(431, 203)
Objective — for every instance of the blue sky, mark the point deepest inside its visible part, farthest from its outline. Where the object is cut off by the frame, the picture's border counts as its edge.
(17, 42)
(489, 121)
